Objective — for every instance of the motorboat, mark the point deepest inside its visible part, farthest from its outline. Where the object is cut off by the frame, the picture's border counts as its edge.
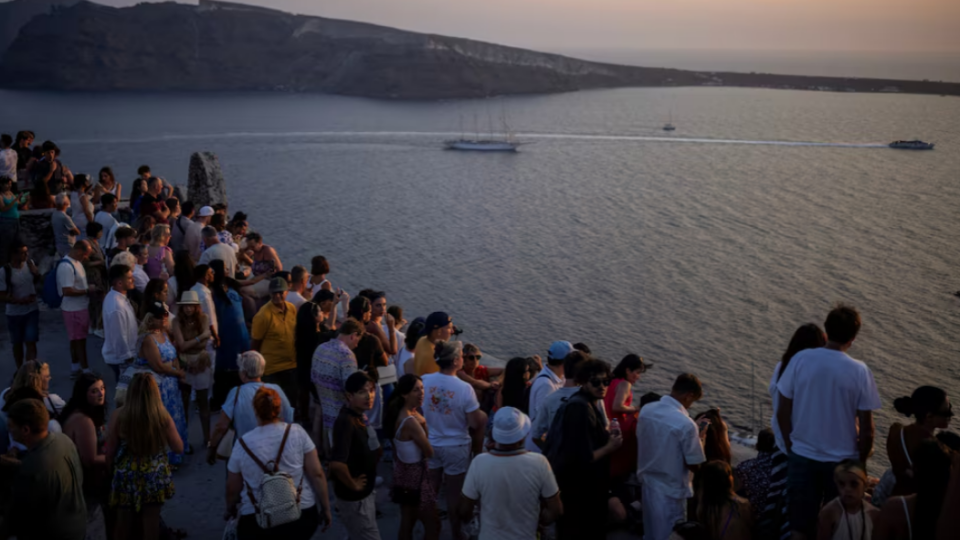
(911, 145)
(482, 146)
(669, 127)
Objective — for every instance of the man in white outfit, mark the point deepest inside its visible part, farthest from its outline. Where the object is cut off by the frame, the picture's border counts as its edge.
(549, 380)
(120, 326)
(669, 451)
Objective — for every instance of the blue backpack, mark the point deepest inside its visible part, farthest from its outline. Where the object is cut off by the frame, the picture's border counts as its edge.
(50, 295)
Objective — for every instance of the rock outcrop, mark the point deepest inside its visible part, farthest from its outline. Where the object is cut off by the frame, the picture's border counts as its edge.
(207, 186)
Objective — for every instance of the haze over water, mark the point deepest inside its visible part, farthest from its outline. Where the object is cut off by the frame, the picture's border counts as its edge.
(699, 256)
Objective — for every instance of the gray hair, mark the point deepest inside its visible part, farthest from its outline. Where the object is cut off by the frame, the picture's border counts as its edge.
(61, 200)
(125, 258)
(446, 352)
(209, 232)
(252, 364)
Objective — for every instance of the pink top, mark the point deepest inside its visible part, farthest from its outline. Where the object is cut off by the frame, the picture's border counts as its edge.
(154, 266)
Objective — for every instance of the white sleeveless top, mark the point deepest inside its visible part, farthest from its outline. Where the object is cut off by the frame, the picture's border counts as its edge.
(407, 451)
(78, 215)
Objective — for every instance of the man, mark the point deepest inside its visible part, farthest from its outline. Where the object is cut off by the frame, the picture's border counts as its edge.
(72, 286)
(333, 363)
(238, 405)
(298, 283)
(49, 169)
(549, 380)
(186, 232)
(153, 202)
(124, 237)
(140, 277)
(223, 379)
(825, 414)
(455, 425)
(46, 492)
(516, 489)
(273, 335)
(8, 159)
(353, 463)
(439, 327)
(120, 326)
(670, 450)
(108, 207)
(173, 205)
(65, 232)
(579, 446)
(19, 293)
(547, 410)
(217, 251)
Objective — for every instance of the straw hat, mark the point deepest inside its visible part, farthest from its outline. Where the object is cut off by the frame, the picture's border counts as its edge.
(189, 298)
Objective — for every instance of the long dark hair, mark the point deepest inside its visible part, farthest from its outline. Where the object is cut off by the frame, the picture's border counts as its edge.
(925, 401)
(359, 306)
(220, 279)
(306, 335)
(808, 336)
(932, 471)
(414, 333)
(513, 390)
(631, 362)
(79, 403)
(154, 286)
(183, 270)
(405, 385)
(717, 445)
(715, 487)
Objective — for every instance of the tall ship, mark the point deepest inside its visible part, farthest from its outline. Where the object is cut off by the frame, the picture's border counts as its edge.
(911, 145)
(501, 142)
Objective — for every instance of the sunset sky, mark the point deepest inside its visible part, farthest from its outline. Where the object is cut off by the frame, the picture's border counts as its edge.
(822, 25)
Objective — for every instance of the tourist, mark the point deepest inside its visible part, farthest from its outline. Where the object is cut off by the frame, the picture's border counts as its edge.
(753, 475)
(380, 318)
(272, 334)
(516, 383)
(291, 451)
(72, 286)
(369, 354)
(932, 410)
(157, 351)
(145, 225)
(96, 268)
(716, 445)
(412, 488)
(848, 517)
(216, 251)
(80, 205)
(547, 381)
(669, 451)
(915, 517)
(516, 489)
(265, 259)
(456, 425)
(84, 422)
(547, 410)
(40, 198)
(65, 232)
(159, 256)
(298, 280)
(181, 281)
(9, 217)
(8, 158)
(414, 333)
(153, 202)
(202, 278)
(333, 363)
(238, 410)
(49, 170)
(140, 277)
(46, 491)
(32, 381)
(155, 291)
(120, 327)
(22, 145)
(481, 378)
(106, 185)
(187, 231)
(825, 415)
(192, 335)
(139, 434)
(104, 216)
(124, 238)
(353, 460)
(140, 187)
(231, 327)
(724, 514)
(319, 268)
(438, 327)
(20, 296)
(219, 222)
(618, 404)
(311, 333)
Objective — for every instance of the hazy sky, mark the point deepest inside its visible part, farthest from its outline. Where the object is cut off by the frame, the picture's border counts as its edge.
(832, 25)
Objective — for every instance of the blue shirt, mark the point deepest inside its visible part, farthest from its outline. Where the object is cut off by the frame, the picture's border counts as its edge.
(244, 418)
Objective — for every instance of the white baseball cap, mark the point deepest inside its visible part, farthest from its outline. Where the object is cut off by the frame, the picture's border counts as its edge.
(510, 426)
(206, 211)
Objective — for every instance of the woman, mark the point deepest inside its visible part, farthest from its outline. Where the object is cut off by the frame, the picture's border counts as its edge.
(156, 350)
(40, 198)
(232, 330)
(310, 333)
(411, 451)
(848, 517)
(156, 291)
(477, 376)
(182, 279)
(32, 381)
(107, 184)
(414, 333)
(290, 449)
(319, 268)
(513, 391)
(85, 418)
(96, 268)
(81, 208)
(369, 354)
(932, 410)
(160, 256)
(22, 309)
(774, 521)
(137, 193)
(717, 445)
(144, 228)
(191, 333)
(726, 516)
(9, 217)
(142, 481)
(618, 403)
(914, 517)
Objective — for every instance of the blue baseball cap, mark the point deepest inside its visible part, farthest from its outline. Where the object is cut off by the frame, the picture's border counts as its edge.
(559, 350)
(437, 319)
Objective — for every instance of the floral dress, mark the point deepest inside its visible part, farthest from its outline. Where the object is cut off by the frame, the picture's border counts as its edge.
(140, 480)
(169, 392)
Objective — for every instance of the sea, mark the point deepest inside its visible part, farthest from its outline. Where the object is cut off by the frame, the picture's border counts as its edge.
(701, 250)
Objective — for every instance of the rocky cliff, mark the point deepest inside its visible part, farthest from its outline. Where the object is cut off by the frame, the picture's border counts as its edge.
(221, 46)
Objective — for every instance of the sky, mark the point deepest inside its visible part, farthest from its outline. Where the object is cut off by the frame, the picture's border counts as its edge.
(782, 25)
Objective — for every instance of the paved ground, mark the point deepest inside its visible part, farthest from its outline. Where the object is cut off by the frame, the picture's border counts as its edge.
(199, 503)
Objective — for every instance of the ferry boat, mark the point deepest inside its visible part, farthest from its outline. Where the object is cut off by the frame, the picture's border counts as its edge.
(912, 145)
(481, 146)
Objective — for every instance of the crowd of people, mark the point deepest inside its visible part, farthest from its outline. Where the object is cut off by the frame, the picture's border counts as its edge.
(298, 385)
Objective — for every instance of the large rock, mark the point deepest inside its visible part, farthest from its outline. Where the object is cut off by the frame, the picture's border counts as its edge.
(37, 233)
(207, 186)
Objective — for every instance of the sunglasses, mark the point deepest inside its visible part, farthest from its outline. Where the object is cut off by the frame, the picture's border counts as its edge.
(597, 381)
(473, 356)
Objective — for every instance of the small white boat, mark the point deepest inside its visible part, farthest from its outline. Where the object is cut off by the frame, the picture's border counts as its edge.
(481, 146)
(911, 145)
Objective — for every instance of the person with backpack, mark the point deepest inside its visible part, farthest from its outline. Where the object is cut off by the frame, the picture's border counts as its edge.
(274, 479)
(549, 380)
(17, 291)
(72, 298)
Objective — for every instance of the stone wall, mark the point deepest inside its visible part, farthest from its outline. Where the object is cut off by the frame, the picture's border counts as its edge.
(37, 233)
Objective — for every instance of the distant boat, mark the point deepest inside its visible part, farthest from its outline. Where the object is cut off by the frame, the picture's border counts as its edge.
(669, 127)
(912, 145)
(482, 146)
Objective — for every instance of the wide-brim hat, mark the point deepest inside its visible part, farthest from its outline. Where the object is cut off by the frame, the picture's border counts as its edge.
(189, 298)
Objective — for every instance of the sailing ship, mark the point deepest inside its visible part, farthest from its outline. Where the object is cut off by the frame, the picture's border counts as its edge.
(506, 143)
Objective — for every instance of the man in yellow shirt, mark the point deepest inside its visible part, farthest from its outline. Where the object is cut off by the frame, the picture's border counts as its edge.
(274, 328)
(439, 327)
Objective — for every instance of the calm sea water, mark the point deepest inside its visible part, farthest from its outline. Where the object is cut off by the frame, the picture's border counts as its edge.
(700, 255)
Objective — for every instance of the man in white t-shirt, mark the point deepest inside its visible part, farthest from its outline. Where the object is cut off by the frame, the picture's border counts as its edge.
(452, 411)
(549, 380)
(120, 325)
(72, 286)
(517, 488)
(298, 281)
(825, 415)
(217, 251)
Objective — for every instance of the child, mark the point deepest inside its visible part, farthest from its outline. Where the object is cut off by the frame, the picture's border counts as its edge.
(849, 516)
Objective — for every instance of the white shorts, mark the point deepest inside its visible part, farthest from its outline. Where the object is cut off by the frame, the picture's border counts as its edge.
(453, 460)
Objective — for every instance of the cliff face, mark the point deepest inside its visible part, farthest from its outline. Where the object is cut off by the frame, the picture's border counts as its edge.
(13, 15)
(222, 46)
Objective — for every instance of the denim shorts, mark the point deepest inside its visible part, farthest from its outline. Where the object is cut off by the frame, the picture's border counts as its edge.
(24, 328)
